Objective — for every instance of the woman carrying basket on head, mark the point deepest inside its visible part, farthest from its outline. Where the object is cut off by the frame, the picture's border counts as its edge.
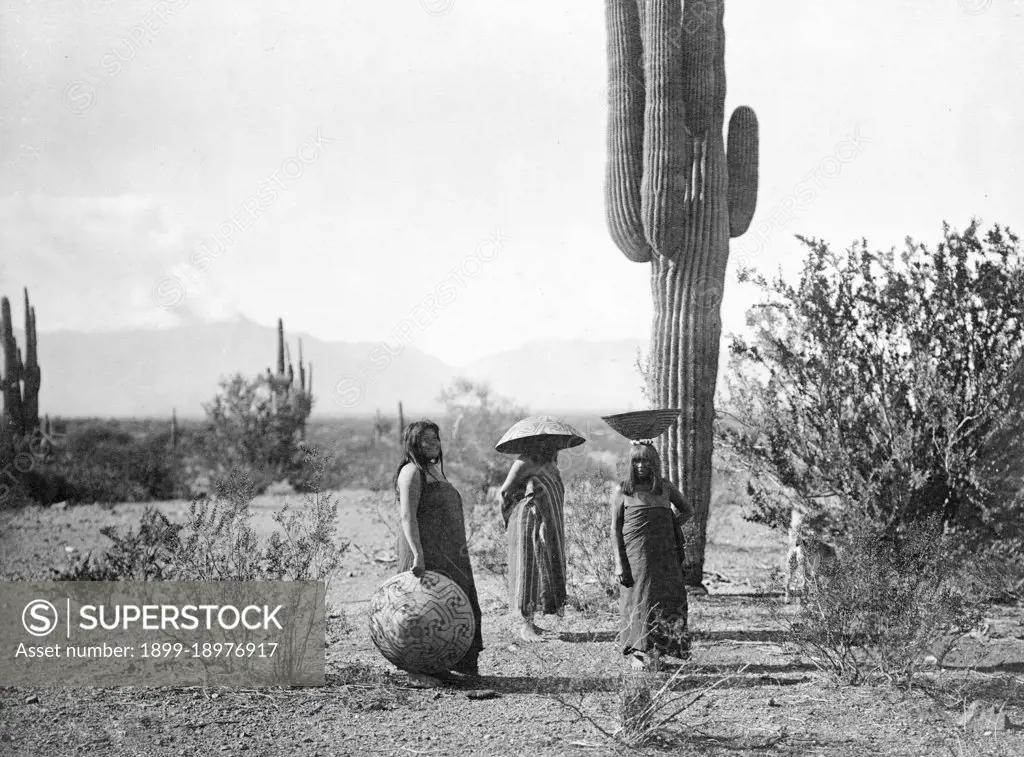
(647, 512)
(531, 507)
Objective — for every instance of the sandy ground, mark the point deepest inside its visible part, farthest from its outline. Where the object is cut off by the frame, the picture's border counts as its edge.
(549, 698)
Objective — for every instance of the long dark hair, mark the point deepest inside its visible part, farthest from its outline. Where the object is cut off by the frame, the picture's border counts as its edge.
(411, 452)
(647, 452)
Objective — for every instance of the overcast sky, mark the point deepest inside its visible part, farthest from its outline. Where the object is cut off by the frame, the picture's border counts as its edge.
(360, 153)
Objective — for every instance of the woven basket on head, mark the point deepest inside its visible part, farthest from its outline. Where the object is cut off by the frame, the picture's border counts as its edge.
(642, 424)
(537, 429)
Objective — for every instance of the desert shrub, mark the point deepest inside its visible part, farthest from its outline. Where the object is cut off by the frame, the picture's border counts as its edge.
(651, 708)
(221, 544)
(589, 464)
(591, 569)
(636, 709)
(355, 459)
(305, 547)
(485, 535)
(216, 542)
(474, 420)
(888, 387)
(101, 462)
(888, 603)
(256, 426)
(143, 555)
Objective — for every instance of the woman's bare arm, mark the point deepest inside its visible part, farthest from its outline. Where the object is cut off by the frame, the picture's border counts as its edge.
(683, 508)
(521, 470)
(622, 571)
(409, 486)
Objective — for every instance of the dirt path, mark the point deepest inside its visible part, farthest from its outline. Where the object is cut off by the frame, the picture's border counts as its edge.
(549, 698)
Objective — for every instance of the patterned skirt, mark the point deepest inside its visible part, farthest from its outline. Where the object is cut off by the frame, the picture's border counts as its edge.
(535, 534)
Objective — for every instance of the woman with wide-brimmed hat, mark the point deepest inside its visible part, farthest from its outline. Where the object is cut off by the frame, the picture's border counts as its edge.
(531, 506)
(647, 512)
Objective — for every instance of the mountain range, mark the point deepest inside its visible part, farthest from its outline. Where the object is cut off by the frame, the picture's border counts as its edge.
(147, 373)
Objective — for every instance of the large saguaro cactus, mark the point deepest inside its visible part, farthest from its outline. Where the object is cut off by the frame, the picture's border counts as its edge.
(673, 199)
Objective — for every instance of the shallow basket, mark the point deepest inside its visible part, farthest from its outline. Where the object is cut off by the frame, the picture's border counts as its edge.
(642, 424)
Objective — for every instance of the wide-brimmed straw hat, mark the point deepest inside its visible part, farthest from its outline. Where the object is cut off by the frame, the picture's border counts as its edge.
(537, 429)
(642, 424)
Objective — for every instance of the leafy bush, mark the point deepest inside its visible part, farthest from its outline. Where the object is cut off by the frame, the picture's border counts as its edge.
(474, 421)
(100, 461)
(879, 385)
(217, 542)
(889, 603)
(145, 555)
(256, 425)
(591, 570)
(485, 535)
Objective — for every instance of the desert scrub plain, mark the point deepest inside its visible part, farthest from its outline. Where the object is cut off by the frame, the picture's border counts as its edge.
(746, 690)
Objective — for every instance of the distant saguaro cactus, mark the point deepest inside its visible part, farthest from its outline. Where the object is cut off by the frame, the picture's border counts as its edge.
(13, 417)
(381, 426)
(673, 199)
(284, 393)
(32, 377)
(280, 347)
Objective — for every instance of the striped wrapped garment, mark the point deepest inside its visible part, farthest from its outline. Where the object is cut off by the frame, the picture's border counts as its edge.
(535, 533)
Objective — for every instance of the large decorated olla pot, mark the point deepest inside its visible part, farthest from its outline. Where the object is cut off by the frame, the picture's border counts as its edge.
(421, 625)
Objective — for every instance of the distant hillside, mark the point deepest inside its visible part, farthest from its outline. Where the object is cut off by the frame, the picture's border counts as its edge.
(147, 373)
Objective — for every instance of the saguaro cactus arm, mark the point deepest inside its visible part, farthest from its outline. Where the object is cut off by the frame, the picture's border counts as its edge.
(666, 106)
(624, 168)
(742, 157)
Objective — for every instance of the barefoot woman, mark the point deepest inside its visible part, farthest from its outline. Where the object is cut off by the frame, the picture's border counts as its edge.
(647, 543)
(531, 506)
(433, 528)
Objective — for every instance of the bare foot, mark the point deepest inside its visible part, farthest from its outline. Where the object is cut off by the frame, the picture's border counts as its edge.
(636, 662)
(528, 632)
